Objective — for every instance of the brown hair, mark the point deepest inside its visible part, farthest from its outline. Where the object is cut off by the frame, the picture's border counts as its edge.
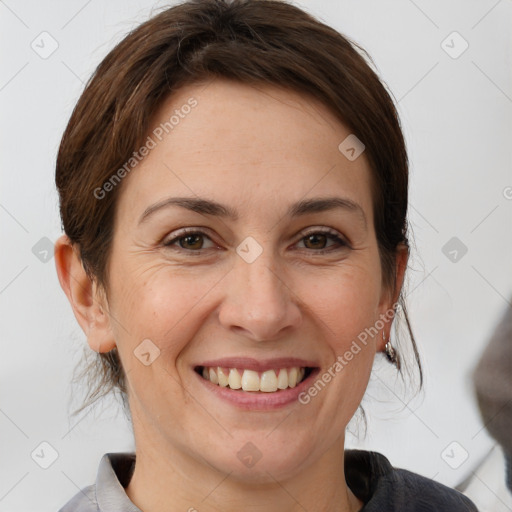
(250, 41)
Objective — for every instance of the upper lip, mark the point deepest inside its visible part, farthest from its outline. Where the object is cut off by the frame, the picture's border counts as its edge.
(259, 365)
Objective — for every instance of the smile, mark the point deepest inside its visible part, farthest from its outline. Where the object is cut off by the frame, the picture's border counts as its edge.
(268, 381)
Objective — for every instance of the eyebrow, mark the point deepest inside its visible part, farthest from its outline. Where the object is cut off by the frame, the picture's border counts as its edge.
(210, 207)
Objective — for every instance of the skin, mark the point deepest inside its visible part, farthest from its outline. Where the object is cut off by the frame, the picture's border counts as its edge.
(256, 150)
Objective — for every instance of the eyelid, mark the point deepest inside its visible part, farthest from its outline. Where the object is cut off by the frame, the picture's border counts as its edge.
(319, 229)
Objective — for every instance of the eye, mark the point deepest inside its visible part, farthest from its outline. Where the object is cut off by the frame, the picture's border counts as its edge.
(189, 240)
(317, 240)
(193, 240)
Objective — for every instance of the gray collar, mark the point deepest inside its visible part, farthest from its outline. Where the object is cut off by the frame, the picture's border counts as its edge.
(114, 474)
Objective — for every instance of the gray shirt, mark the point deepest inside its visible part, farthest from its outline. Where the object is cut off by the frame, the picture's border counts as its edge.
(107, 494)
(369, 475)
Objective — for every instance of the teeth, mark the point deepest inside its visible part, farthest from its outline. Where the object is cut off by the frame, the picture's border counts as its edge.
(223, 378)
(213, 376)
(250, 381)
(292, 377)
(269, 381)
(282, 379)
(234, 380)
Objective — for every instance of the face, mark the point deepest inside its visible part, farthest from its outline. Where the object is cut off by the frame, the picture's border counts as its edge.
(251, 269)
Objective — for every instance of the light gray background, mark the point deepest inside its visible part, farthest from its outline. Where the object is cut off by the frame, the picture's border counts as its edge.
(456, 114)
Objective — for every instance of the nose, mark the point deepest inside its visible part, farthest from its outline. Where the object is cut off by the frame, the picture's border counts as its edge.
(258, 303)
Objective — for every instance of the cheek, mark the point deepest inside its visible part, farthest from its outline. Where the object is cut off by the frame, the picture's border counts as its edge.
(346, 301)
(345, 308)
(165, 306)
(161, 304)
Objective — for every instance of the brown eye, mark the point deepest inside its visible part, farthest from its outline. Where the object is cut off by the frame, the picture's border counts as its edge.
(189, 240)
(317, 242)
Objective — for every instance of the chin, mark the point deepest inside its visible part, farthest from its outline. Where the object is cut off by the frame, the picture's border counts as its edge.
(256, 458)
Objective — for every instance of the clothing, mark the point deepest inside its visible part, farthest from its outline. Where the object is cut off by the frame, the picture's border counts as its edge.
(369, 475)
(383, 488)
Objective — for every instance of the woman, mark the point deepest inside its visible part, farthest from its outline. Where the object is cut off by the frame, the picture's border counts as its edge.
(233, 186)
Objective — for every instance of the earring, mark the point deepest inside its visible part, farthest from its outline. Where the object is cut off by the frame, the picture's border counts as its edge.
(391, 353)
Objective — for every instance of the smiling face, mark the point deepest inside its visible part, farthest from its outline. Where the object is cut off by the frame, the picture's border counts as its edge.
(278, 273)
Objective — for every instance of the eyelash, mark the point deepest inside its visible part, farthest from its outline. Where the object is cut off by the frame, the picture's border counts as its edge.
(332, 235)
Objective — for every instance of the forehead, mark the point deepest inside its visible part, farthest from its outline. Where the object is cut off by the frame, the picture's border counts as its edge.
(257, 148)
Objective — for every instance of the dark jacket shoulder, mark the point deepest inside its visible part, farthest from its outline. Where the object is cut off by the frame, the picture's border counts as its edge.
(382, 487)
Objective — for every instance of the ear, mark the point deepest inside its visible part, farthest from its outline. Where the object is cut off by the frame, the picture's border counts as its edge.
(86, 298)
(390, 297)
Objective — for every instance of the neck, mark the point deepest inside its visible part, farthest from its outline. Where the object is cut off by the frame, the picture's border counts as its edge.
(168, 480)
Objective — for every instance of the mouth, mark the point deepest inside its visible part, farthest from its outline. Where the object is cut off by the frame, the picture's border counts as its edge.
(252, 378)
(255, 385)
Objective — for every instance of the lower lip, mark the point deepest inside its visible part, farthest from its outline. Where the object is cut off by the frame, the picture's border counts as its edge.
(259, 400)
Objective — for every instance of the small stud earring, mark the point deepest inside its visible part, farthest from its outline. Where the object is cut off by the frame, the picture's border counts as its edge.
(391, 353)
